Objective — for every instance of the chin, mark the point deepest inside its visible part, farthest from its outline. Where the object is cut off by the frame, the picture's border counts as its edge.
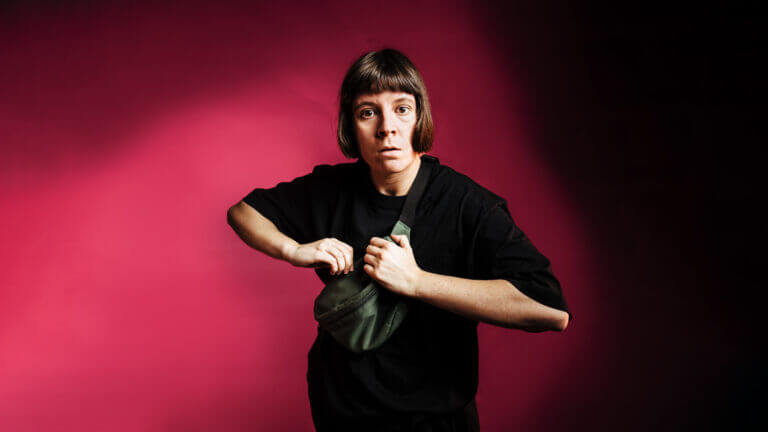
(394, 165)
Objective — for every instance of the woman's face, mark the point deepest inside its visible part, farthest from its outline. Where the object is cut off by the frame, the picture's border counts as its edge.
(384, 127)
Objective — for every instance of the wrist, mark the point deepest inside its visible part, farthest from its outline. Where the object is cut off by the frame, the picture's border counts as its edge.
(418, 285)
(287, 249)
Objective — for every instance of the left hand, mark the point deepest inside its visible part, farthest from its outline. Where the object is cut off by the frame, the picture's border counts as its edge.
(392, 265)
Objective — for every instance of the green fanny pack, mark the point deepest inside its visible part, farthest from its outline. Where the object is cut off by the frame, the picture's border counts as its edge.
(359, 313)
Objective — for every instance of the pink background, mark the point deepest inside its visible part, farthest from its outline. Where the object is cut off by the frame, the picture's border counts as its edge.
(128, 304)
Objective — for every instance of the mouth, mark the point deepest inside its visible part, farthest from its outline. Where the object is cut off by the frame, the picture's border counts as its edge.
(389, 150)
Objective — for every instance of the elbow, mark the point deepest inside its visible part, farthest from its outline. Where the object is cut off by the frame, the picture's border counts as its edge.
(231, 220)
(562, 323)
(554, 324)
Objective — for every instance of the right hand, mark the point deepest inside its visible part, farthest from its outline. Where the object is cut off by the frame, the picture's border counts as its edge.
(323, 253)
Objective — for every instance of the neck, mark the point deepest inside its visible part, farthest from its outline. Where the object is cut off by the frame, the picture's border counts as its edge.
(396, 184)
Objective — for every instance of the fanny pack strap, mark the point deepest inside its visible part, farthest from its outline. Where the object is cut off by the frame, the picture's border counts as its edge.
(358, 313)
(407, 216)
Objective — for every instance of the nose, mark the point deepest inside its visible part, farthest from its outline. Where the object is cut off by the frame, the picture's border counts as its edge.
(386, 125)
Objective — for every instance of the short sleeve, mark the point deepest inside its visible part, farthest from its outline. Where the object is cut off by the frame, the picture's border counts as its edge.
(501, 250)
(299, 208)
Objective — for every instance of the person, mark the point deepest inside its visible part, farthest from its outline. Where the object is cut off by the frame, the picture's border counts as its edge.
(467, 260)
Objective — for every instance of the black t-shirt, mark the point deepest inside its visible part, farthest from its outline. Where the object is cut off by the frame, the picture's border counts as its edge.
(430, 364)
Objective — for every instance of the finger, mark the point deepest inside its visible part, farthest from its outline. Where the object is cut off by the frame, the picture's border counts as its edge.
(347, 252)
(342, 254)
(340, 262)
(336, 247)
(400, 240)
(374, 250)
(348, 256)
(370, 259)
(378, 241)
(329, 259)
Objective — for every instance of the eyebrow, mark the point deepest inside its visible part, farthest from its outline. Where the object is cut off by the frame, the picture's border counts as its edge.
(400, 99)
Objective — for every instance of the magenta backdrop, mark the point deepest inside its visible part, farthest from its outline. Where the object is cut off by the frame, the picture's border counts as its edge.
(128, 304)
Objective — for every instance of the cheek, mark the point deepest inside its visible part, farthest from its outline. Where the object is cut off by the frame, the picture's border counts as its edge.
(410, 128)
(363, 137)
(363, 127)
(359, 131)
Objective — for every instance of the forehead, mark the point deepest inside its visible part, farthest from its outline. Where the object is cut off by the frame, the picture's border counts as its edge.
(385, 97)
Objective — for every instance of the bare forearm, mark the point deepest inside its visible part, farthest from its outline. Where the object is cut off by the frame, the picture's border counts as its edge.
(495, 302)
(259, 232)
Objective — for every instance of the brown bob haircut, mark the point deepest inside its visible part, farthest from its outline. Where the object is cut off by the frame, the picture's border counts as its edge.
(376, 72)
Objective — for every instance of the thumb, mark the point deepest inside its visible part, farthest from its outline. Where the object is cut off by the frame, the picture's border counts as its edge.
(402, 240)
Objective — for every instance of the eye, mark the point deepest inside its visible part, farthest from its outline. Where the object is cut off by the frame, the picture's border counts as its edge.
(404, 109)
(366, 113)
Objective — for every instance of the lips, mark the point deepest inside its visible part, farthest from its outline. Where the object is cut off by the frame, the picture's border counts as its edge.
(389, 150)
